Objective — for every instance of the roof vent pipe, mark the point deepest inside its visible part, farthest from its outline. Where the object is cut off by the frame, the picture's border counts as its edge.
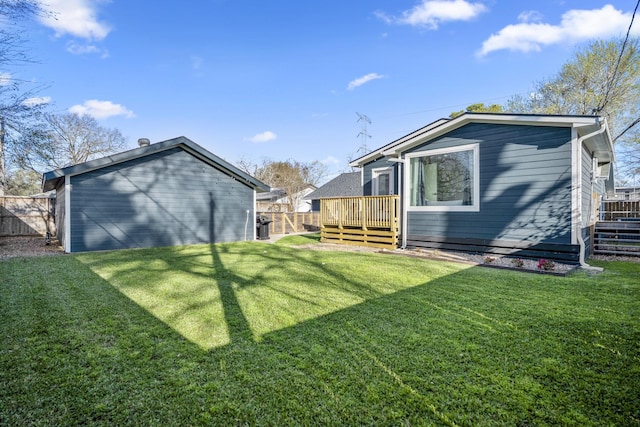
(144, 142)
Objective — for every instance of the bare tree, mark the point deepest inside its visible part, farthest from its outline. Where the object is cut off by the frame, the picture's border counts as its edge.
(292, 176)
(15, 107)
(65, 140)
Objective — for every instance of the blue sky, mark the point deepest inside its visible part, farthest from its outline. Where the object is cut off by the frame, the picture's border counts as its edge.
(284, 79)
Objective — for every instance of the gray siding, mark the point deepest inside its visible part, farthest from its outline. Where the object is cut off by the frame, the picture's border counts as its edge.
(163, 199)
(587, 189)
(590, 204)
(525, 187)
(586, 194)
(367, 176)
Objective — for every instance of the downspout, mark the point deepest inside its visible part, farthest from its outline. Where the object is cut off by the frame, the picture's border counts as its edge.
(403, 205)
(577, 226)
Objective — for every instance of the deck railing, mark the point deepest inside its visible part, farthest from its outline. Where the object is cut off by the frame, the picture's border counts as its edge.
(362, 212)
(616, 210)
(366, 220)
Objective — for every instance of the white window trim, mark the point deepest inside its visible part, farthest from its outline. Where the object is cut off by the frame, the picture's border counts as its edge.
(374, 180)
(67, 213)
(476, 179)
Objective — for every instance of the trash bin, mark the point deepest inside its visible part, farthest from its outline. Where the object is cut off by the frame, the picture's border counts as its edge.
(262, 227)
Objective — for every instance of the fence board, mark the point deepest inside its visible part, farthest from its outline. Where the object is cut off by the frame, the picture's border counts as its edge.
(26, 216)
(292, 222)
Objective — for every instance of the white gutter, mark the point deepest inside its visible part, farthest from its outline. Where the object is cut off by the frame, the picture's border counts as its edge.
(577, 226)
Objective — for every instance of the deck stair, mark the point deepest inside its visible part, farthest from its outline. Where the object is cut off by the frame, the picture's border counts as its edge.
(620, 238)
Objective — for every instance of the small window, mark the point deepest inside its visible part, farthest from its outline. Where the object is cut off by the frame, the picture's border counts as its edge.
(382, 180)
(444, 179)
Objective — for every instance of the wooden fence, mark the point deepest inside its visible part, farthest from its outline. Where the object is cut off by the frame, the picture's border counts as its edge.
(292, 222)
(619, 210)
(26, 216)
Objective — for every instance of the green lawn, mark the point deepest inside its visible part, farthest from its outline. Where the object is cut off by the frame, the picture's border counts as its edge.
(270, 334)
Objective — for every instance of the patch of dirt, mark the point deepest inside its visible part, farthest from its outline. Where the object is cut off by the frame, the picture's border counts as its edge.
(15, 246)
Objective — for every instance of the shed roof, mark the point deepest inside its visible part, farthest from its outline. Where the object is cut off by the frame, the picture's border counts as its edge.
(346, 184)
(51, 179)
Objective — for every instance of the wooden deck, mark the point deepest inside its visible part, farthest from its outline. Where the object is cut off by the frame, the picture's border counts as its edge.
(617, 238)
(616, 210)
(618, 230)
(363, 221)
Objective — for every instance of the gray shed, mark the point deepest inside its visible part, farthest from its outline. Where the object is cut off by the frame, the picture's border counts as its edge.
(173, 192)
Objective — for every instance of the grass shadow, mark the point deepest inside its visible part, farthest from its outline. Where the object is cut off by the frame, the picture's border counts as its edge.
(217, 294)
(469, 347)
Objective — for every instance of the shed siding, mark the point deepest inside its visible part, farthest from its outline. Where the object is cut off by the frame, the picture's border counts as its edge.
(525, 180)
(167, 198)
(367, 175)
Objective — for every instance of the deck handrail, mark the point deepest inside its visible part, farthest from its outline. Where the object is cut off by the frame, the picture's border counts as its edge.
(363, 212)
(612, 210)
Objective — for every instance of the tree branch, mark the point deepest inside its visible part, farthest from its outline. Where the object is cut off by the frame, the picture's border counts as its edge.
(628, 128)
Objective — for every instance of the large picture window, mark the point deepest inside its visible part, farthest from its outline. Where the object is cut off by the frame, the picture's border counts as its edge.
(444, 179)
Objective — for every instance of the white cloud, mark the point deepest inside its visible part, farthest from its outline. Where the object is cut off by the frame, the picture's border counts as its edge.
(431, 13)
(330, 160)
(5, 79)
(82, 49)
(101, 109)
(75, 17)
(262, 137)
(575, 26)
(362, 80)
(530, 16)
(37, 100)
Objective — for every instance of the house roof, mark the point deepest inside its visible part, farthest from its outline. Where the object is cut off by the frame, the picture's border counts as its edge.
(271, 196)
(586, 126)
(279, 193)
(51, 179)
(347, 184)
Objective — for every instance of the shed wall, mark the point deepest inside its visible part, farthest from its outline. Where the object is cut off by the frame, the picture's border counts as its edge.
(163, 199)
(525, 187)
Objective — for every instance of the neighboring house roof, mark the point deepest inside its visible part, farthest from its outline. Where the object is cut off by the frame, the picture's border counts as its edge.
(51, 179)
(279, 193)
(347, 184)
(45, 195)
(599, 143)
(271, 196)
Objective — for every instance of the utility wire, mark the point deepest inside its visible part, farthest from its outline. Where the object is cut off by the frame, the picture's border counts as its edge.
(615, 70)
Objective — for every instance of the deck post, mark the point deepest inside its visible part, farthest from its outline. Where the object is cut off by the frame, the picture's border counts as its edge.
(363, 213)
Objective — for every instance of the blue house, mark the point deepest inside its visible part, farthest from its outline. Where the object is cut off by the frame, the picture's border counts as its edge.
(525, 185)
(169, 193)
